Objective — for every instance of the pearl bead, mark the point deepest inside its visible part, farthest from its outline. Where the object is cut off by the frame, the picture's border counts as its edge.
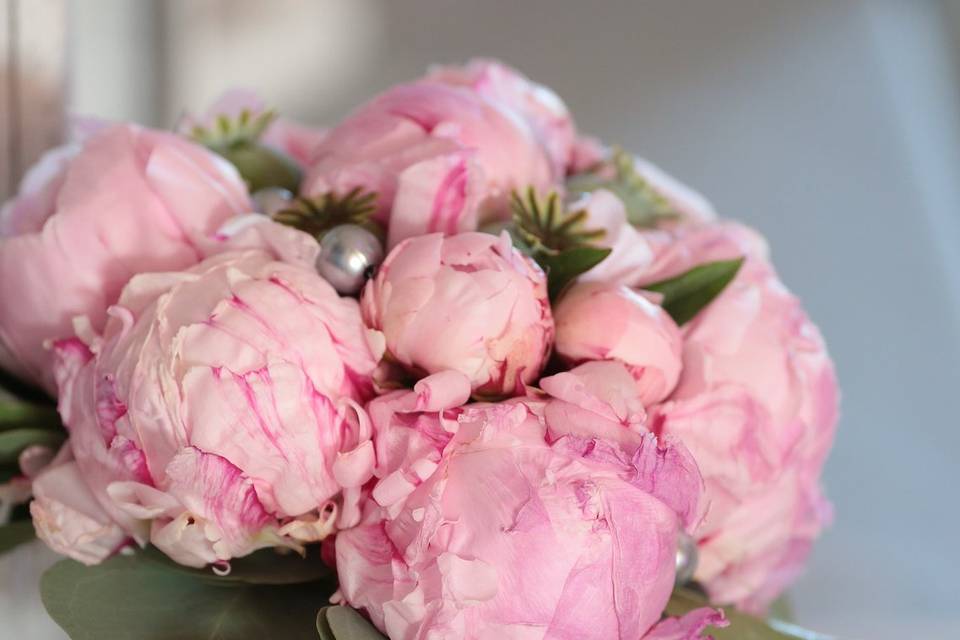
(686, 560)
(349, 254)
(270, 200)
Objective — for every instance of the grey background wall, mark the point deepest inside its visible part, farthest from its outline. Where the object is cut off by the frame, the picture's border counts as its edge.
(832, 126)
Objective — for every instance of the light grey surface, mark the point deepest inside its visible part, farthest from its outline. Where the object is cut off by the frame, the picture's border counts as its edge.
(832, 126)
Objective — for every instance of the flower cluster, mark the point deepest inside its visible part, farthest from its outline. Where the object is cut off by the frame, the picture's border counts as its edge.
(565, 367)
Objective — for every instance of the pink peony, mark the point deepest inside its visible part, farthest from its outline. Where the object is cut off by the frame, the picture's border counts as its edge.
(69, 519)
(218, 413)
(532, 103)
(757, 406)
(90, 216)
(488, 523)
(469, 302)
(444, 153)
(597, 321)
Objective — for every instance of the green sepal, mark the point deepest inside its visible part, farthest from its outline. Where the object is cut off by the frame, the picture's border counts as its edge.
(645, 206)
(228, 131)
(557, 239)
(545, 226)
(318, 215)
(238, 140)
(686, 294)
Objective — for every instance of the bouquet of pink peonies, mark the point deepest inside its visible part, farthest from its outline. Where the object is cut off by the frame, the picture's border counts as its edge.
(446, 370)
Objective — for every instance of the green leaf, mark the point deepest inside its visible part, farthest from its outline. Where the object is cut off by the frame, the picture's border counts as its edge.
(23, 414)
(130, 598)
(564, 267)
(264, 567)
(13, 387)
(782, 609)
(344, 623)
(686, 294)
(742, 626)
(13, 441)
(645, 205)
(9, 470)
(14, 534)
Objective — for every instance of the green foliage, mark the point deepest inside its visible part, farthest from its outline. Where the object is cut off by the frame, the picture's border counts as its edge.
(15, 414)
(645, 205)
(563, 268)
(686, 294)
(545, 227)
(557, 239)
(14, 534)
(227, 132)
(12, 388)
(137, 598)
(742, 626)
(13, 441)
(318, 215)
(264, 567)
(344, 623)
(238, 140)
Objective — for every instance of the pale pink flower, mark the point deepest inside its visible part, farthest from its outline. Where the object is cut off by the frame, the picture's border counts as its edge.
(487, 523)
(598, 321)
(443, 153)
(757, 406)
(87, 218)
(532, 103)
(469, 302)
(69, 519)
(218, 413)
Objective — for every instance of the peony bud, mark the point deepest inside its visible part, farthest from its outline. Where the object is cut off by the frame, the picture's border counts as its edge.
(470, 302)
(597, 321)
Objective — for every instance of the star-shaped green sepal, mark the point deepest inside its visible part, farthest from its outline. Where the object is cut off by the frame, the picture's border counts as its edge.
(317, 215)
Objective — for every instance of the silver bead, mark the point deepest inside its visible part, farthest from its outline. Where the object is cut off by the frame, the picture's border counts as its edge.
(349, 254)
(686, 559)
(271, 200)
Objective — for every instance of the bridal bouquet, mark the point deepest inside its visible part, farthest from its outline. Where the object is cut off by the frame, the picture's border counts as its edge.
(448, 369)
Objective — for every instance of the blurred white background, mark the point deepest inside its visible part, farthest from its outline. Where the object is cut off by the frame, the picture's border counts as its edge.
(831, 125)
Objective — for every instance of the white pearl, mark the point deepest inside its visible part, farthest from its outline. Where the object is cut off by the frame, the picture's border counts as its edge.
(349, 254)
(271, 200)
(686, 560)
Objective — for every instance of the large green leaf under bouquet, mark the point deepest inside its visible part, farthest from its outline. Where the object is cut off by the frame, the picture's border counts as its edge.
(145, 597)
(742, 626)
